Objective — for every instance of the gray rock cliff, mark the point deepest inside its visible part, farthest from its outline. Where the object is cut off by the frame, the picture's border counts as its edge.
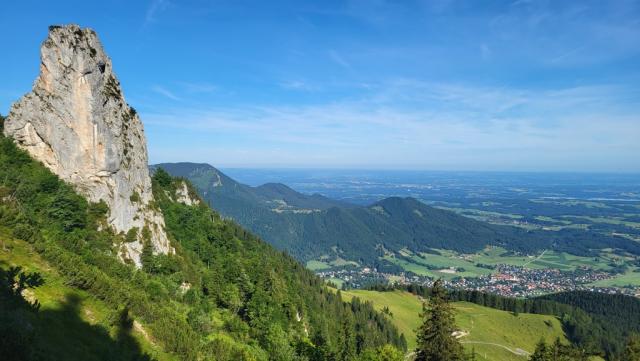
(184, 196)
(76, 122)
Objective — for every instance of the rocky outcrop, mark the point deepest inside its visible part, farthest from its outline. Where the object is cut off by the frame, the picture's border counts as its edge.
(184, 196)
(77, 123)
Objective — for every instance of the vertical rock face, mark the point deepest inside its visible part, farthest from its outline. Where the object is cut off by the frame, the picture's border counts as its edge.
(77, 123)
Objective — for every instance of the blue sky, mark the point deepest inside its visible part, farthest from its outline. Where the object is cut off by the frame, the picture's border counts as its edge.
(443, 85)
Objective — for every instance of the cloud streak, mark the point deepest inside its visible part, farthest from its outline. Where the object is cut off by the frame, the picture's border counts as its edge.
(165, 92)
(453, 126)
(338, 59)
(155, 7)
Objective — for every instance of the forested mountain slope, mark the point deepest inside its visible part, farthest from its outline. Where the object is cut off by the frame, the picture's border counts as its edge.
(615, 317)
(312, 227)
(224, 294)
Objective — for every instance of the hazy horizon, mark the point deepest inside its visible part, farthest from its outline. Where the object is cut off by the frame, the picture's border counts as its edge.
(426, 170)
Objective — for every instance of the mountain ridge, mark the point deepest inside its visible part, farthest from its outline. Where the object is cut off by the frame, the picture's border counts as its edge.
(311, 230)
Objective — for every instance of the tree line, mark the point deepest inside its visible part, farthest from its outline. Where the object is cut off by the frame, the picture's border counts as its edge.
(599, 324)
(436, 340)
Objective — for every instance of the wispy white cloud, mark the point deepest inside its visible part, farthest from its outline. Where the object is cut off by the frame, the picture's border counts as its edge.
(165, 92)
(535, 84)
(191, 87)
(566, 54)
(568, 33)
(154, 8)
(298, 85)
(495, 127)
(338, 59)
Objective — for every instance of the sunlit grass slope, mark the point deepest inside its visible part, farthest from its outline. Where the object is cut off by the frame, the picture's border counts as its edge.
(496, 335)
(71, 324)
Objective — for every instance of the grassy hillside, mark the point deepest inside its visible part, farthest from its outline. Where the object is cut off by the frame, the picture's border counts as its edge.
(491, 332)
(71, 324)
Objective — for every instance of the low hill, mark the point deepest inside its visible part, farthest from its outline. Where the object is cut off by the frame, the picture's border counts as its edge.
(495, 335)
(313, 227)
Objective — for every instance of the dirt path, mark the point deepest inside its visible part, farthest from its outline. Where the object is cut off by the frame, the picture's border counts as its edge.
(517, 351)
(535, 259)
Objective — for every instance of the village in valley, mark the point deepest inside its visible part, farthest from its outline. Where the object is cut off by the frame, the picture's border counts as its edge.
(507, 280)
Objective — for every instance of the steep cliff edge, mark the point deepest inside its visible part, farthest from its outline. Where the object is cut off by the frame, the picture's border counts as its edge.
(77, 123)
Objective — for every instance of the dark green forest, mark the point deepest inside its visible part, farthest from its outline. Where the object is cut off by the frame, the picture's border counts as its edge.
(225, 294)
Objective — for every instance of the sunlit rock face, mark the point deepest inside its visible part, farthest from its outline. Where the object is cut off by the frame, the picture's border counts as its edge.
(184, 196)
(76, 122)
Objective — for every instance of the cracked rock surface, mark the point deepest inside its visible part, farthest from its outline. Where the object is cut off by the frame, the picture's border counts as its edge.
(78, 124)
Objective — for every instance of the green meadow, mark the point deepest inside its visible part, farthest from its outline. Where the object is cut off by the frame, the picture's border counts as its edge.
(495, 335)
(466, 265)
(315, 265)
(630, 278)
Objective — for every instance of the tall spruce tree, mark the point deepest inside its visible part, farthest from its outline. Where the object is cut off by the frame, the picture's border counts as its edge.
(542, 352)
(146, 257)
(435, 336)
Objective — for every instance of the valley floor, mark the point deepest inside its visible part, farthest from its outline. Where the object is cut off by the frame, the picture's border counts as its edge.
(495, 270)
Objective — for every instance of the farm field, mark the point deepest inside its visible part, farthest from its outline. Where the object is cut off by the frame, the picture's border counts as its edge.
(630, 278)
(319, 265)
(315, 265)
(606, 217)
(448, 264)
(495, 335)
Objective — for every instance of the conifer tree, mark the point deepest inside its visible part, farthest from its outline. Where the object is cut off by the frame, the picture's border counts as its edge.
(632, 351)
(348, 347)
(435, 339)
(541, 352)
(146, 257)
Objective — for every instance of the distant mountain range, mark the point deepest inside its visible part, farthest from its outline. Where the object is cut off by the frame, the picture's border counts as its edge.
(316, 227)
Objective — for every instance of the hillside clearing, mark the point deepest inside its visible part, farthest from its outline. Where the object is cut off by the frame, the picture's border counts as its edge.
(495, 335)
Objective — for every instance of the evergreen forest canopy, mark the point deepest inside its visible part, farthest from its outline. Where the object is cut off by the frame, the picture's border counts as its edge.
(224, 295)
(312, 226)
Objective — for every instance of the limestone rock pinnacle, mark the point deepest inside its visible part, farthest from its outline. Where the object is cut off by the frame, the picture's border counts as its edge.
(77, 123)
